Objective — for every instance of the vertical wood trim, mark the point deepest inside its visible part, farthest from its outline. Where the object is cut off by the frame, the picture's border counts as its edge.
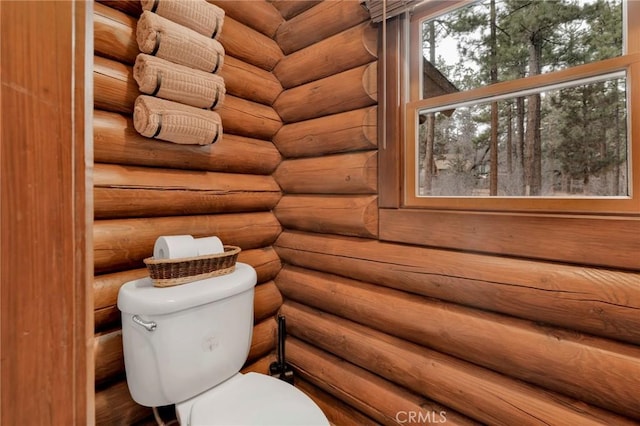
(45, 316)
(83, 147)
(390, 151)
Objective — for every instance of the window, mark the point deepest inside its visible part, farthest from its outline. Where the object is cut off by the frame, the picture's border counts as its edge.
(517, 105)
(581, 201)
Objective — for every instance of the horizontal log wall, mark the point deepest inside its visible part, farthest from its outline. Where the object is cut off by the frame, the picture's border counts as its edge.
(390, 329)
(537, 354)
(329, 175)
(114, 38)
(344, 132)
(347, 215)
(370, 394)
(116, 141)
(290, 8)
(115, 90)
(144, 188)
(348, 49)
(479, 393)
(378, 330)
(318, 23)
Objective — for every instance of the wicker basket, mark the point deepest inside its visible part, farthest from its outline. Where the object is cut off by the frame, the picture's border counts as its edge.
(170, 272)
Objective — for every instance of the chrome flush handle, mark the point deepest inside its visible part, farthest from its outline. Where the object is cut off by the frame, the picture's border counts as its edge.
(149, 325)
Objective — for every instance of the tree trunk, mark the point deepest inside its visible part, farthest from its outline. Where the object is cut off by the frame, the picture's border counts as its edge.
(520, 111)
(427, 163)
(493, 175)
(430, 124)
(617, 189)
(510, 139)
(533, 148)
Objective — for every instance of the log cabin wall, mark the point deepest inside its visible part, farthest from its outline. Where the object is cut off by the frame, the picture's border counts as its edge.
(402, 334)
(380, 333)
(144, 188)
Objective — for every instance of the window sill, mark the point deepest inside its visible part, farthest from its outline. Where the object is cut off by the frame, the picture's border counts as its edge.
(608, 241)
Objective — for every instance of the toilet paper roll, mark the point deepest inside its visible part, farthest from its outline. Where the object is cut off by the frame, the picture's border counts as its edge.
(174, 247)
(209, 245)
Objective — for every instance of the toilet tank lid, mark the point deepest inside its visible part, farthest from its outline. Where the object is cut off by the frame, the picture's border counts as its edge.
(141, 297)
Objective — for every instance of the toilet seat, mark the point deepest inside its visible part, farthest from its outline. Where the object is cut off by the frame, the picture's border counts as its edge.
(252, 399)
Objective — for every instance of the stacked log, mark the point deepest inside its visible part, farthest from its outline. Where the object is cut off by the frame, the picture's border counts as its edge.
(114, 34)
(267, 301)
(142, 192)
(249, 119)
(355, 215)
(338, 174)
(115, 38)
(336, 411)
(144, 188)
(260, 15)
(113, 85)
(121, 244)
(130, 7)
(346, 91)
(115, 406)
(447, 380)
(358, 46)
(483, 355)
(606, 373)
(345, 132)
(263, 339)
(290, 8)
(247, 81)
(507, 340)
(117, 142)
(361, 388)
(591, 300)
(249, 45)
(328, 108)
(116, 91)
(319, 22)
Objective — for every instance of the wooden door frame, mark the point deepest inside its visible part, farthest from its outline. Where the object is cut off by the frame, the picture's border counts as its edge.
(46, 297)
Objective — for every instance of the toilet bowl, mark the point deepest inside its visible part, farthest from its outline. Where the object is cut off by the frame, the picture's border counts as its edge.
(251, 399)
(185, 345)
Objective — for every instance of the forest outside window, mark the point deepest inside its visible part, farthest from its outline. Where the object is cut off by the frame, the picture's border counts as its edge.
(524, 105)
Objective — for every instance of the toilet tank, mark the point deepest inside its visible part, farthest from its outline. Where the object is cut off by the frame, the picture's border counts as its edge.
(180, 341)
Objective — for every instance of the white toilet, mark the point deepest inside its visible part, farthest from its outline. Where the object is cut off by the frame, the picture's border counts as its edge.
(185, 345)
